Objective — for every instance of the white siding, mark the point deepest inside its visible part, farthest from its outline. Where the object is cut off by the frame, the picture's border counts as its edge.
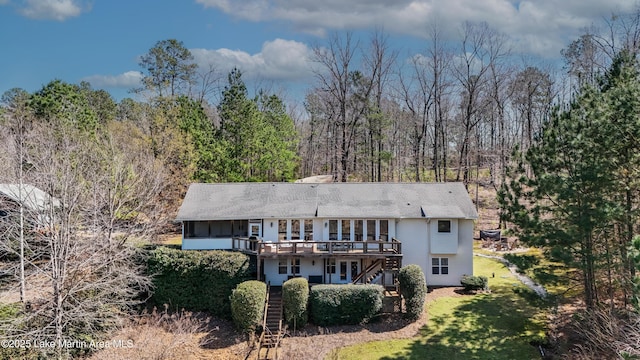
(460, 263)
(443, 242)
(308, 267)
(392, 229)
(415, 247)
(465, 248)
(417, 235)
(206, 244)
(270, 230)
(318, 226)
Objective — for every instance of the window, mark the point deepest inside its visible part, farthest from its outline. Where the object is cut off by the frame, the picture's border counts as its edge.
(282, 266)
(240, 228)
(384, 230)
(331, 266)
(444, 226)
(295, 266)
(358, 229)
(371, 230)
(333, 229)
(343, 270)
(440, 266)
(308, 229)
(282, 229)
(188, 229)
(346, 230)
(354, 269)
(295, 229)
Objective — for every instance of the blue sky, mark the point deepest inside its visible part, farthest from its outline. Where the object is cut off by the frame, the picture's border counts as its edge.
(100, 41)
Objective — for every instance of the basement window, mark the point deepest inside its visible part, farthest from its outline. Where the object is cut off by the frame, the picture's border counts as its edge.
(295, 266)
(444, 226)
(440, 266)
(331, 266)
(282, 266)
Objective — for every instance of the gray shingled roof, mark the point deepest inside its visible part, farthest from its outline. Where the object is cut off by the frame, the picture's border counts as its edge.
(31, 197)
(237, 201)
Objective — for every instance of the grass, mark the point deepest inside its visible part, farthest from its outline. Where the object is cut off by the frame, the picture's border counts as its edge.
(497, 325)
(532, 263)
(172, 240)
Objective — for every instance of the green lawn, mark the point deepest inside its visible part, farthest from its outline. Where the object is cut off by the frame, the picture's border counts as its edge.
(532, 263)
(499, 325)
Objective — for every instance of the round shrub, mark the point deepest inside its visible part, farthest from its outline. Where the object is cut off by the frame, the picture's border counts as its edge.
(345, 304)
(247, 305)
(295, 296)
(413, 288)
(472, 283)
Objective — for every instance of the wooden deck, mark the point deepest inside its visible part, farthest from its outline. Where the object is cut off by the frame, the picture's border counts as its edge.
(266, 249)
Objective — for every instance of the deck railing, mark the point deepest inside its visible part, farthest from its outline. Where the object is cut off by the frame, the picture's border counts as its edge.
(299, 247)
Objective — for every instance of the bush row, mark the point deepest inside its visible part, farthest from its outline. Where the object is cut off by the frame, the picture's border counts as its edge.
(196, 280)
(345, 304)
(413, 288)
(247, 305)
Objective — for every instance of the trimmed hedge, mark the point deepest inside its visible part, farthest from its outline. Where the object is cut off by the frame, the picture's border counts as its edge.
(247, 305)
(413, 288)
(295, 297)
(196, 280)
(470, 282)
(345, 304)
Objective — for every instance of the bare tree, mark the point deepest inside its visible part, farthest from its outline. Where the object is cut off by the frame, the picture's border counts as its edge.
(208, 81)
(417, 94)
(91, 274)
(480, 47)
(378, 62)
(346, 90)
(18, 119)
(426, 95)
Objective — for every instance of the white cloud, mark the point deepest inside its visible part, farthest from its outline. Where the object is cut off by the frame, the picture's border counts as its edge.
(541, 27)
(278, 60)
(59, 10)
(127, 80)
(4, 2)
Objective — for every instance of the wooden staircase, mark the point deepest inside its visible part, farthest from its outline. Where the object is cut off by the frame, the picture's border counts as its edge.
(375, 268)
(272, 331)
(390, 263)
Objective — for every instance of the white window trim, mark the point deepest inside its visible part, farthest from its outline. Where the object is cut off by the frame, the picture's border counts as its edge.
(440, 265)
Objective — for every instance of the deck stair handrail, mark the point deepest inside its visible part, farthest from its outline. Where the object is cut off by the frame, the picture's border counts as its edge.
(370, 270)
(264, 319)
(270, 337)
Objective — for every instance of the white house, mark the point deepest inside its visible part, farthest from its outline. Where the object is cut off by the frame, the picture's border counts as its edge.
(336, 232)
(36, 203)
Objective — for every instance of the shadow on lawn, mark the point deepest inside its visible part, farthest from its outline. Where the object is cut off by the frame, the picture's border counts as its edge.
(486, 326)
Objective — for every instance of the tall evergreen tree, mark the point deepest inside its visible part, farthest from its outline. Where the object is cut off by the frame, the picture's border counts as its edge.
(574, 192)
(170, 68)
(257, 137)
